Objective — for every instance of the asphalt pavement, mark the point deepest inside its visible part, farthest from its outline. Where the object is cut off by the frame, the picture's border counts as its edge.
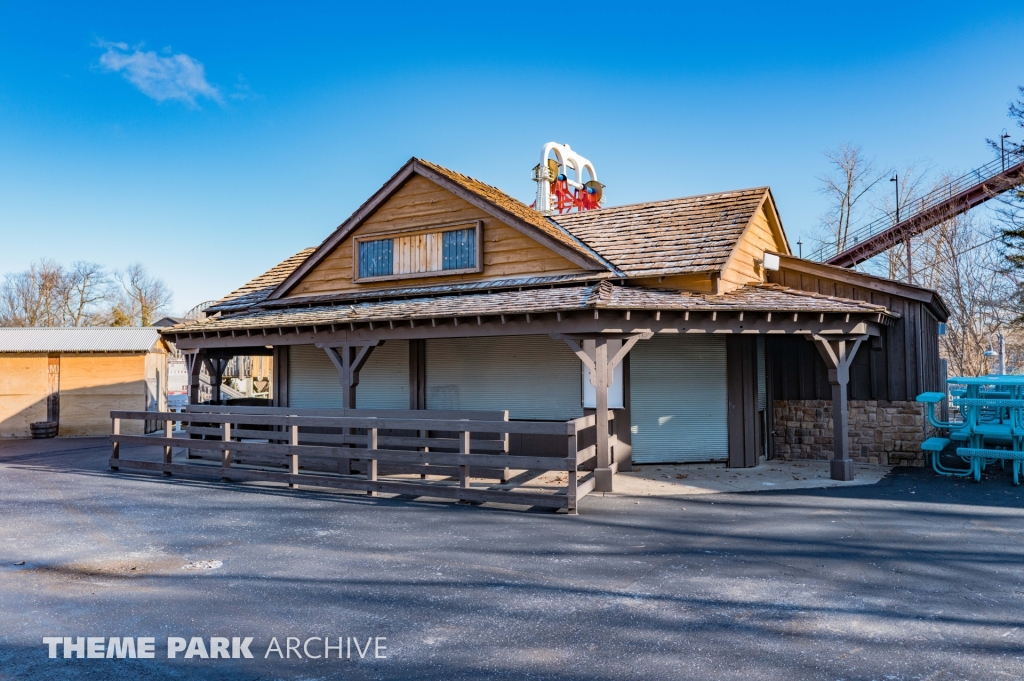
(913, 577)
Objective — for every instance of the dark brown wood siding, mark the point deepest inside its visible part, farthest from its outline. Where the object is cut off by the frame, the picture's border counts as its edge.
(744, 420)
(899, 365)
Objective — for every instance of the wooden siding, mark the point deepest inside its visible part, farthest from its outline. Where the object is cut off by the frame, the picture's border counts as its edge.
(421, 203)
(696, 283)
(743, 266)
(93, 385)
(898, 366)
(23, 390)
(744, 420)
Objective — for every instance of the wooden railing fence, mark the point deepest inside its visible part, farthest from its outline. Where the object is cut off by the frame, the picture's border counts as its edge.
(372, 451)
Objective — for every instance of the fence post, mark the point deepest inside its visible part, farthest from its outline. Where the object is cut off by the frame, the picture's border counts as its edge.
(293, 459)
(371, 463)
(225, 461)
(424, 434)
(463, 469)
(115, 448)
(168, 433)
(506, 474)
(572, 454)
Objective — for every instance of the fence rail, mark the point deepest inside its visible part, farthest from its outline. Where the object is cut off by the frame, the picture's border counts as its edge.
(377, 454)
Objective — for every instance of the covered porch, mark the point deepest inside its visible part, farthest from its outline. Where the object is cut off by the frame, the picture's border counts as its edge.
(497, 341)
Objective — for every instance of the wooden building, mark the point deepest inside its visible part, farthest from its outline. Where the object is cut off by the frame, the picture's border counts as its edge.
(444, 293)
(76, 376)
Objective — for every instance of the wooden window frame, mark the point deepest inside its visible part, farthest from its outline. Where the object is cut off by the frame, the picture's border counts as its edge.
(477, 225)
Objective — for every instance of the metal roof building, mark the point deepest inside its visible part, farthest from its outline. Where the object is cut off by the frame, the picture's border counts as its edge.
(76, 376)
(80, 339)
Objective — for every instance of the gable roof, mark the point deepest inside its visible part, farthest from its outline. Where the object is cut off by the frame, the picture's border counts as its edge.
(491, 200)
(260, 288)
(79, 339)
(679, 236)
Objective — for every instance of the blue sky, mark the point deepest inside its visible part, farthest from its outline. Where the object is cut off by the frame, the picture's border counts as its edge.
(210, 141)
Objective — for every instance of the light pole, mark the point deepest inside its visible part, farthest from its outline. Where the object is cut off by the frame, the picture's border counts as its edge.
(1001, 354)
(906, 242)
(1002, 147)
(800, 245)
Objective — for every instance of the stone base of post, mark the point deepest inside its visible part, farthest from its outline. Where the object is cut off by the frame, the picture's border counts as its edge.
(603, 478)
(842, 469)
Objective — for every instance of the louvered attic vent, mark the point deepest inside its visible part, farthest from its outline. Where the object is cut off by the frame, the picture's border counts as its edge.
(445, 249)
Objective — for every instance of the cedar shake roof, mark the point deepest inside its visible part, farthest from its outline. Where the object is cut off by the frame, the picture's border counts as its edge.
(260, 288)
(692, 234)
(601, 295)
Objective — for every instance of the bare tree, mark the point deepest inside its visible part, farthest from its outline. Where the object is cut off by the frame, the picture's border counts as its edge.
(33, 297)
(84, 287)
(48, 294)
(960, 258)
(850, 178)
(908, 182)
(142, 300)
(1011, 204)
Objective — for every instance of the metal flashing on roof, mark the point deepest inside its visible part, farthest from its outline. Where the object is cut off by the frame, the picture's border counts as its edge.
(434, 289)
(78, 339)
(600, 295)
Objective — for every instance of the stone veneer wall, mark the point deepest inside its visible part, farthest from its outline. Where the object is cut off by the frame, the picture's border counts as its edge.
(880, 432)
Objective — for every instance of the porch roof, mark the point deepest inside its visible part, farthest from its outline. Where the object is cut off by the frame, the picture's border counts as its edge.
(566, 299)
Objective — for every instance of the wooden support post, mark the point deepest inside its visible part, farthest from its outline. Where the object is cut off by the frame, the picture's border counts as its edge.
(348, 359)
(194, 361)
(572, 489)
(371, 463)
(599, 377)
(215, 367)
(594, 354)
(838, 354)
(225, 455)
(293, 459)
(115, 448)
(168, 449)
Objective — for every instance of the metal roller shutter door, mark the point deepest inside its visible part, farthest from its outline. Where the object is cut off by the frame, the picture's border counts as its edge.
(678, 400)
(533, 377)
(383, 382)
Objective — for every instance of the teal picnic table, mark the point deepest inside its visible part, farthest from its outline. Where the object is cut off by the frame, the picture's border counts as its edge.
(992, 428)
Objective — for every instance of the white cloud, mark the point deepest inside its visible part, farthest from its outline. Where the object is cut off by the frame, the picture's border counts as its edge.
(176, 76)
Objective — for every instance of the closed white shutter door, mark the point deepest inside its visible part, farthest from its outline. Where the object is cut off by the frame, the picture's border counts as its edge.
(533, 377)
(678, 400)
(383, 381)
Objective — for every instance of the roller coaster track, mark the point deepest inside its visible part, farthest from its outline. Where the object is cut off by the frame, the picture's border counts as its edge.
(955, 197)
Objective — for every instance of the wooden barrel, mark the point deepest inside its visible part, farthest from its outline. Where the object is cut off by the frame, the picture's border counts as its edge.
(43, 429)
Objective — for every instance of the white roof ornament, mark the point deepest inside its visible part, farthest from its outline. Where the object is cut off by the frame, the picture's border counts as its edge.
(561, 183)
